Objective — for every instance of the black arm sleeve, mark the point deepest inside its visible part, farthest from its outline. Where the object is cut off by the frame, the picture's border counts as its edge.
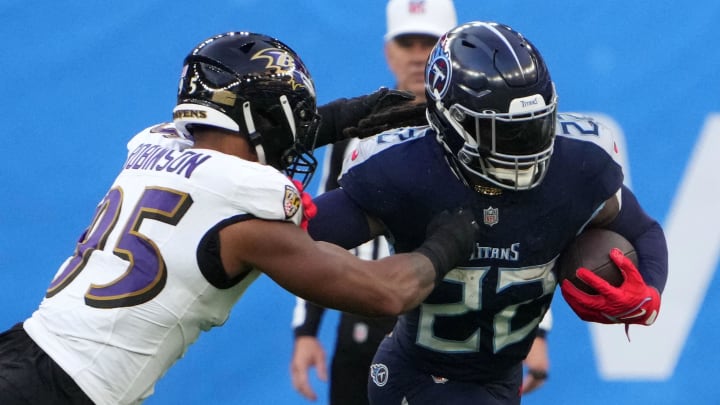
(336, 116)
(647, 237)
(345, 113)
(308, 318)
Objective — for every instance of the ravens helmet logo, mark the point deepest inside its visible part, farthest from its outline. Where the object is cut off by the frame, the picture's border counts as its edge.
(281, 62)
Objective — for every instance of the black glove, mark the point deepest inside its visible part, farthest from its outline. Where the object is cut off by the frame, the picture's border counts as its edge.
(403, 115)
(450, 240)
(344, 113)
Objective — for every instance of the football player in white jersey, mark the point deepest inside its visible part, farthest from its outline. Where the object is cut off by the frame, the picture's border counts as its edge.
(199, 209)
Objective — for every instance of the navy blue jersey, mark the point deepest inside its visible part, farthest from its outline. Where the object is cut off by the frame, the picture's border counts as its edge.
(480, 321)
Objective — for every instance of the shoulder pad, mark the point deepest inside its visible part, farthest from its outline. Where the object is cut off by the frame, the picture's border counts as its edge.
(258, 189)
(164, 134)
(369, 147)
(597, 128)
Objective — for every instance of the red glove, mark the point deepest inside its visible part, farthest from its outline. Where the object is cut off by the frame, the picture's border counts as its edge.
(632, 302)
(309, 208)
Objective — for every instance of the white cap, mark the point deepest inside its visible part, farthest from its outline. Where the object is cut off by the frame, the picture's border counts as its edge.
(429, 17)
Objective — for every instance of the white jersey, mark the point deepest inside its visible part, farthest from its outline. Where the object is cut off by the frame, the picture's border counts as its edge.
(132, 298)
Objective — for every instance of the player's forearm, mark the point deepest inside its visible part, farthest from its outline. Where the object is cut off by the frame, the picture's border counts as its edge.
(386, 287)
(330, 130)
(652, 253)
(391, 286)
(411, 278)
(648, 238)
(343, 113)
(306, 318)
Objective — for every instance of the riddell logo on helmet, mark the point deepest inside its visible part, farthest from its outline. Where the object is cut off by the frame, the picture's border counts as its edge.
(527, 104)
(190, 114)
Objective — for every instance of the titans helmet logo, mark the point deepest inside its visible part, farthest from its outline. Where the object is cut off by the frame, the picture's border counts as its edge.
(281, 62)
(438, 72)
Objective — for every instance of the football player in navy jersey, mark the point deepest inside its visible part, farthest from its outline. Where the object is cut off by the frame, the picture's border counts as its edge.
(495, 144)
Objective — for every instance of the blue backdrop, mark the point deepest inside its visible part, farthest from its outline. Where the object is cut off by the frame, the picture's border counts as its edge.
(79, 78)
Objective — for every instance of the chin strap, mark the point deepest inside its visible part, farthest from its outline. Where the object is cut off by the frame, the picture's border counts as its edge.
(254, 136)
(285, 104)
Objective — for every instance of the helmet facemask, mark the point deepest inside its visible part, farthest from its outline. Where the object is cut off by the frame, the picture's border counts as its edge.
(509, 150)
(298, 161)
(284, 138)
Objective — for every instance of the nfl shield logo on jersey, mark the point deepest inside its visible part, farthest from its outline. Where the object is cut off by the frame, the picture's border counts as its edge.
(491, 216)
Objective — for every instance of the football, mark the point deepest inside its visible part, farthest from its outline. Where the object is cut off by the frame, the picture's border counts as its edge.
(591, 249)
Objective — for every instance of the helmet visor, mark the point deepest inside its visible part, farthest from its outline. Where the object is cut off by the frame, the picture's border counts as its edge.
(511, 150)
(512, 135)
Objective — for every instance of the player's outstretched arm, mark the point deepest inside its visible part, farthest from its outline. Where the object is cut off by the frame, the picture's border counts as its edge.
(333, 277)
(344, 113)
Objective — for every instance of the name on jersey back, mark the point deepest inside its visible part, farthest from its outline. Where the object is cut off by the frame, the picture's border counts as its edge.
(157, 158)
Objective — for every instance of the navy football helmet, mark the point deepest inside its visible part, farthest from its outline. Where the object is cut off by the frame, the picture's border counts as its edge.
(256, 85)
(493, 104)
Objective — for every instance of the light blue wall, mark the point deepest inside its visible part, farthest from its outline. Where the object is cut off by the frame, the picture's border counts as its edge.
(77, 79)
